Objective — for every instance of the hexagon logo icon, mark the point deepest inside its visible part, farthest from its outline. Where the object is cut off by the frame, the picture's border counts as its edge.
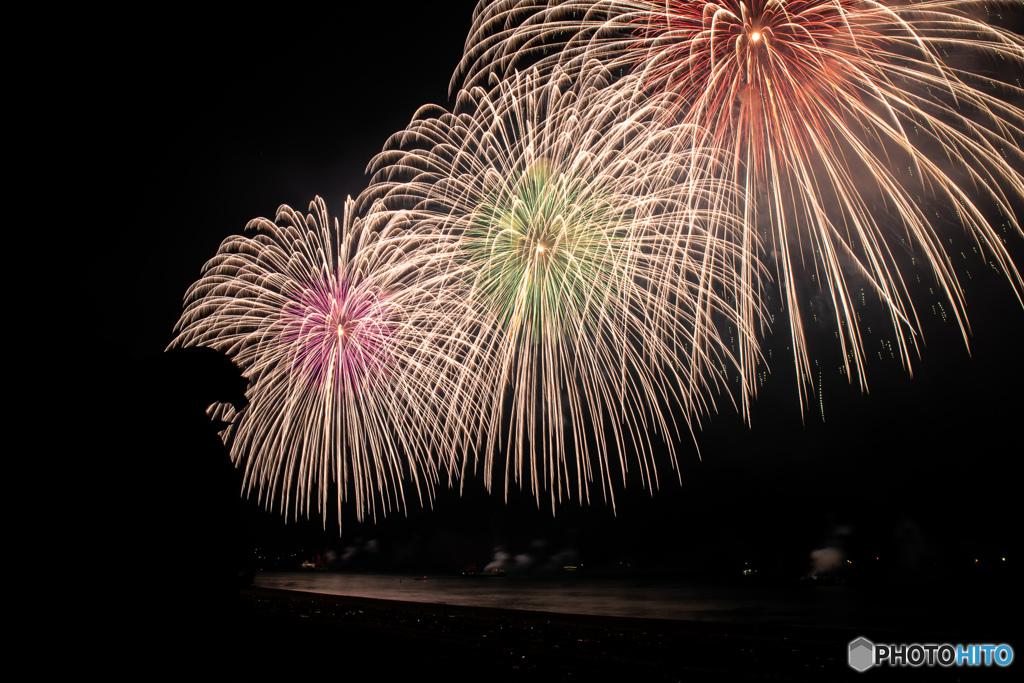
(861, 654)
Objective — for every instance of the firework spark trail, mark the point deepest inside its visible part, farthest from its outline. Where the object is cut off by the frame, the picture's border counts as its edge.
(590, 289)
(337, 330)
(836, 119)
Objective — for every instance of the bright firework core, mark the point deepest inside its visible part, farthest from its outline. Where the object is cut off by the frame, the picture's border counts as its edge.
(337, 333)
(539, 246)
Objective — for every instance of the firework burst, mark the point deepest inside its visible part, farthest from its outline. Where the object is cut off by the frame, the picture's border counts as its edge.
(590, 288)
(337, 330)
(836, 121)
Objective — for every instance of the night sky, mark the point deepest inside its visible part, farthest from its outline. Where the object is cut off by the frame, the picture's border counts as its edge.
(237, 115)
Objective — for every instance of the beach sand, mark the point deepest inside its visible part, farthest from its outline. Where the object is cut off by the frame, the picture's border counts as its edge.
(304, 632)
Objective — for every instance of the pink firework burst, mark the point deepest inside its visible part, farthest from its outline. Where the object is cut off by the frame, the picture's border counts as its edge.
(341, 331)
(341, 334)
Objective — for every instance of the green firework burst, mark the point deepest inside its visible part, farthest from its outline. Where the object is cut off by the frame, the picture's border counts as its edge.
(543, 252)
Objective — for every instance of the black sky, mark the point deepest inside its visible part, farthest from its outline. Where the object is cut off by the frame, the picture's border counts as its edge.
(231, 116)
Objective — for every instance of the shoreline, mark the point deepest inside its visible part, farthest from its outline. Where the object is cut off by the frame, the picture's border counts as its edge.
(507, 644)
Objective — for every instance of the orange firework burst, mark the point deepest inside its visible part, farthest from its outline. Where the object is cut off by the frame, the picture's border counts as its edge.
(855, 132)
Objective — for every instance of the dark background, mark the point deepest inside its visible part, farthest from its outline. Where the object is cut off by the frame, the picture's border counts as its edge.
(226, 117)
